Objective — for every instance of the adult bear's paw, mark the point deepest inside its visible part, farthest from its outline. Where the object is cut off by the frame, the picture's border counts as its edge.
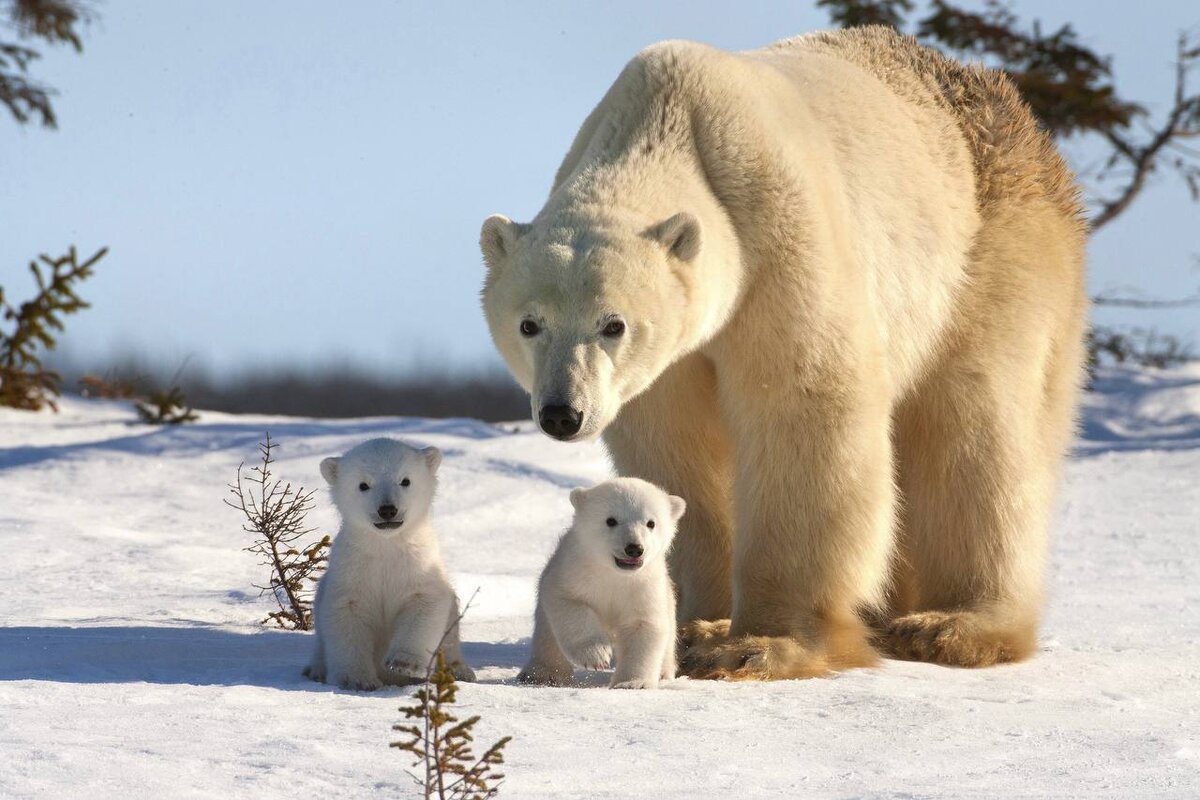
(710, 656)
(957, 638)
(697, 631)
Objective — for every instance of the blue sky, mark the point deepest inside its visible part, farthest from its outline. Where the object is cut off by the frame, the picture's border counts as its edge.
(303, 182)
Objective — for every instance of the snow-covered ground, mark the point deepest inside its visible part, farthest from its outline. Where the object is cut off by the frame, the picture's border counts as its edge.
(132, 663)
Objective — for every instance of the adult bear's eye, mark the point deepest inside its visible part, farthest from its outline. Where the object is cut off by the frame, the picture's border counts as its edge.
(405, 482)
(610, 522)
(529, 328)
(614, 329)
(362, 487)
(650, 524)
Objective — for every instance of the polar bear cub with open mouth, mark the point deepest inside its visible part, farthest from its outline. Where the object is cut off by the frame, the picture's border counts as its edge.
(385, 602)
(606, 591)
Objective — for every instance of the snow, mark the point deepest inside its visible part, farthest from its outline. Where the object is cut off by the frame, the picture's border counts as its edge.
(132, 663)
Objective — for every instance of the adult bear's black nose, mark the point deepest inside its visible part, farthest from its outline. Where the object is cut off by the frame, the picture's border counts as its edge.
(387, 512)
(561, 422)
(634, 550)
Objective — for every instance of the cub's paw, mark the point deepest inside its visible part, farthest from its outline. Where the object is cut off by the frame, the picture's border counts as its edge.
(956, 639)
(635, 683)
(751, 658)
(315, 673)
(537, 675)
(595, 654)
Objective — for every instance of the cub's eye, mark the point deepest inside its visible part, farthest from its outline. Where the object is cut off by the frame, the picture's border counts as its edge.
(610, 522)
(529, 328)
(362, 487)
(614, 329)
(405, 482)
(650, 524)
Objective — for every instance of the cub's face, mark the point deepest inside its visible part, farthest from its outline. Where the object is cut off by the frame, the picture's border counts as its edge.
(586, 315)
(626, 523)
(383, 484)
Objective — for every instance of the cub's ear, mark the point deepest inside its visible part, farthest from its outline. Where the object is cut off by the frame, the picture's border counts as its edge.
(680, 235)
(678, 506)
(329, 469)
(498, 238)
(577, 497)
(433, 457)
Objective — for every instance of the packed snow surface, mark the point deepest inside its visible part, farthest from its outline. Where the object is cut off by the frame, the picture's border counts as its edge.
(132, 662)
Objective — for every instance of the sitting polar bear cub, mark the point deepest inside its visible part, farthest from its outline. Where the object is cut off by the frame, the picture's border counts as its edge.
(606, 588)
(385, 601)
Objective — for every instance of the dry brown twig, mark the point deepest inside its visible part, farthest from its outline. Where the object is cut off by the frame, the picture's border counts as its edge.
(276, 513)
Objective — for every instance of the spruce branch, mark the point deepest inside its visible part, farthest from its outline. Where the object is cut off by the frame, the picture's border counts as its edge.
(275, 513)
(442, 743)
(24, 382)
(166, 406)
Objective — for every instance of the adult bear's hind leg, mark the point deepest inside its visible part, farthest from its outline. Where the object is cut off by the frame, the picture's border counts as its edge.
(979, 446)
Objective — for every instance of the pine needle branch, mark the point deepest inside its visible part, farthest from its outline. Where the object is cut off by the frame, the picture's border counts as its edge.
(442, 743)
(24, 382)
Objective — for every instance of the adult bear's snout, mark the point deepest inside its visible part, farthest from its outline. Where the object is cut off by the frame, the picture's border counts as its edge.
(561, 422)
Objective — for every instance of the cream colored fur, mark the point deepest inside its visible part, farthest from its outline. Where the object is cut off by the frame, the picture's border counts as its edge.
(589, 607)
(385, 603)
(849, 273)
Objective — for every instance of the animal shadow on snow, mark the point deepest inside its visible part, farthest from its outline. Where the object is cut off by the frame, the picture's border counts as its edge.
(196, 656)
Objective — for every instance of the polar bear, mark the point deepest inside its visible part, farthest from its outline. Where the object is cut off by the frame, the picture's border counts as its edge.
(606, 588)
(832, 293)
(385, 603)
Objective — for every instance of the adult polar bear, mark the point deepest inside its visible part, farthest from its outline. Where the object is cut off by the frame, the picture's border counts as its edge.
(831, 293)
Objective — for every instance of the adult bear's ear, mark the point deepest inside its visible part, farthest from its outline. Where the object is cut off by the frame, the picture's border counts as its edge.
(577, 496)
(329, 469)
(498, 238)
(678, 506)
(433, 457)
(680, 235)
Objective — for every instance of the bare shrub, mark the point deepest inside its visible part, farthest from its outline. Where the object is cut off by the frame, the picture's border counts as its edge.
(275, 513)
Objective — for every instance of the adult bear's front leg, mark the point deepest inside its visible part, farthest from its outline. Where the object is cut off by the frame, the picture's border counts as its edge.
(813, 532)
(672, 435)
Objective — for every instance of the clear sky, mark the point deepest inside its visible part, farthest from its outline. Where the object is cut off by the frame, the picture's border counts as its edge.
(303, 182)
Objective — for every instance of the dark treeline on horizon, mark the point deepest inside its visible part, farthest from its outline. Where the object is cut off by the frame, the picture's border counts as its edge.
(337, 391)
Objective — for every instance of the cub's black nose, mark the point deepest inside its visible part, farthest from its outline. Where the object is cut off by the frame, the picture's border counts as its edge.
(634, 550)
(561, 422)
(387, 512)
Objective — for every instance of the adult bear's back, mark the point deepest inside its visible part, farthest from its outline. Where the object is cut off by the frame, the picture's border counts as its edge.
(1013, 158)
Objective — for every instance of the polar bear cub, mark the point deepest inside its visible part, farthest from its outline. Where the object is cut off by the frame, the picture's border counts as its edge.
(385, 601)
(605, 590)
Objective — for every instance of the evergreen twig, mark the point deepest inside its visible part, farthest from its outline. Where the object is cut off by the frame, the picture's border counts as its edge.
(441, 742)
(24, 382)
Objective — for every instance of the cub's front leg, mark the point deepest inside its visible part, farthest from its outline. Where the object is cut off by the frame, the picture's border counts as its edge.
(640, 655)
(419, 628)
(578, 632)
(346, 639)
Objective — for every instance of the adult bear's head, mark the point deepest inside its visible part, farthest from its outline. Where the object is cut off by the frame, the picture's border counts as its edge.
(588, 308)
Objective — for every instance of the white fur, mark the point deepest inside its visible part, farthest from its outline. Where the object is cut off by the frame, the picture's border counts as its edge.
(385, 601)
(589, 608)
